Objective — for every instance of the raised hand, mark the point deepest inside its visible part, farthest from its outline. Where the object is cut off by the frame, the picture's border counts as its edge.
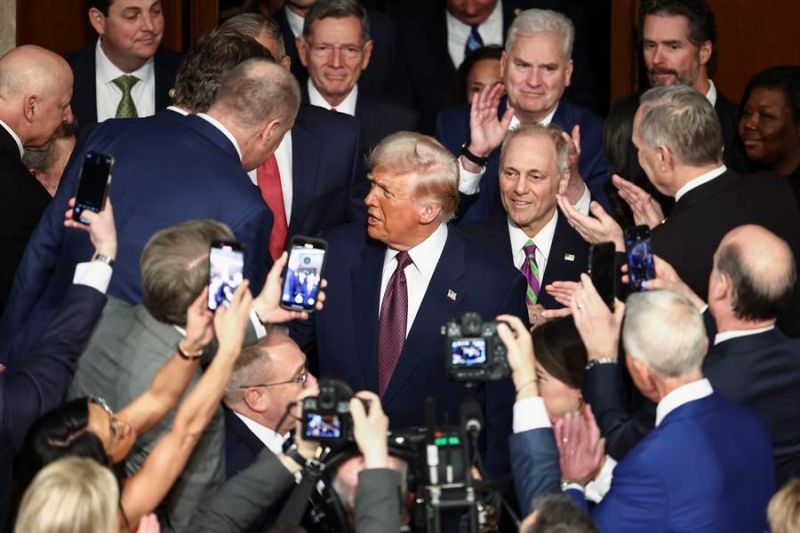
(644, 207)
(580, 446)
(598, 327)
(230, 322)
(575, 185)
(519, 350)
(267, 303)
(370, 428)
(594, 229)
(486, 130)
(199, 325)
(99, 226)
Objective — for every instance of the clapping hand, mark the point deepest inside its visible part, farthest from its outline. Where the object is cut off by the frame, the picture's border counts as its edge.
(598, 327)
(594, 229)
(580, 447)
(644, 207)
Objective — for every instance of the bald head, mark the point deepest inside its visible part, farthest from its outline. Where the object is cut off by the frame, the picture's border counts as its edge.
(761, 270)
(35, 91)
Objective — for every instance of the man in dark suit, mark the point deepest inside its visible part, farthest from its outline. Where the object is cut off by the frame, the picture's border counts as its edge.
(35, 89)
(126, 73)
(381, 331)
(336, 47)
(39, 383)
(197, 161)
(537, 67)
(378, 76)
(533, 170)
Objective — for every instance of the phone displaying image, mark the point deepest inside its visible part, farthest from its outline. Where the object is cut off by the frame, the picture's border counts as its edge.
(641, 266)
(321, 427)
(225, 272)
(303, 273)
(601, 270)
(93, 185)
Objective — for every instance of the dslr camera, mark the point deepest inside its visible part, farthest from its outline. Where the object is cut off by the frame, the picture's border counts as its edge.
(474, 351)
(326, 418)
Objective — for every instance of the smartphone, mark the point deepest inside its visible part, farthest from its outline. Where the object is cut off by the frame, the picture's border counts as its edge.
(303, 273)
(93, 185)
(225, 272)
(602, 272)
(641, 266)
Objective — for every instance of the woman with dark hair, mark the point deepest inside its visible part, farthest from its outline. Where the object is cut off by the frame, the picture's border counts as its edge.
(769, 124)
(479, 69)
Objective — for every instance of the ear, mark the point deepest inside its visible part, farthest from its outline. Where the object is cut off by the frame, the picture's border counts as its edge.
(303, 48)
(568, 73)
(367, 53)
(29, 107)
(706, 49)
(254, 400)
(563, 181)
(97, 20)
(722, 289)
(271, 129)
(287, 62)
(429, 212)
(503, 63)
(666, 159)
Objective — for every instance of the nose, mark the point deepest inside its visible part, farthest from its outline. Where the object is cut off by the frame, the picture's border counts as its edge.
(147, 22)
(658, 56)
(68, 117)
(311, 381)
(336, 59)
(369, 199)
(521, 186)
(749, 122)
(534, 77)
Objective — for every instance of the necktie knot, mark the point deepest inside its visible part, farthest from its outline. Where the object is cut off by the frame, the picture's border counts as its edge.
(474, 41)
(403, 260)
(125, 82)
(126, 107)
(530, 250)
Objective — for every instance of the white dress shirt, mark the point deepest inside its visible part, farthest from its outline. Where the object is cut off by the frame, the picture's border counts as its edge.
(735, 334)
(425, 256)
(13, 136)
(109, 95)
(700, 180)
(491, 31)
(543, 241)
(711, 95)
(682, 395)
(283, 156)
(271, 440)
(295, 22)
(95, 274)
(348, 105)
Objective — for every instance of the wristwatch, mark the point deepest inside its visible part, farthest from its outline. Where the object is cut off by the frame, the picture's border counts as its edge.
(480, 161)
(103, 258)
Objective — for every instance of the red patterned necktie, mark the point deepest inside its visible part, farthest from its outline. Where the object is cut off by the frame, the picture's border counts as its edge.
(269, 181)
(392, 322)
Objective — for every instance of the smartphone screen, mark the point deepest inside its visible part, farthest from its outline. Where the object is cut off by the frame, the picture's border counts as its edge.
(601, 270)
(93, 185)
(225, 272)
(319, 426)
(303, 274)
(641, 266)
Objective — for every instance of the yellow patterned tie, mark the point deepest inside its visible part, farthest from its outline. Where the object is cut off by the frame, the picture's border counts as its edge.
(126, 107)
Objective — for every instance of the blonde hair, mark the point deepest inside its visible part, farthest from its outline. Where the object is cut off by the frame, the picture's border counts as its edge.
(783, 511)
(71, 495)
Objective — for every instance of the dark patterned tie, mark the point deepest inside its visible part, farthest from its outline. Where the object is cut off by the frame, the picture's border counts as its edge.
(474, 41)
(531, 272)
(126, 107)
(392, 322)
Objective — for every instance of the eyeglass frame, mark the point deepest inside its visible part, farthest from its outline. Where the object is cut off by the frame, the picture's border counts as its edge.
(113, 423)
(302, 379)
(325, 50)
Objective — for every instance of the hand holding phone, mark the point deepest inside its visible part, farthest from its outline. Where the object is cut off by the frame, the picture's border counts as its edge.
(225, 272)
(303, 274)
(94, 182)
(601, 270)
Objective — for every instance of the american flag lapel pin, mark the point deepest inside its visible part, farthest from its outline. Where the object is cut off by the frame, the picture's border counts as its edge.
(452, 294)
(569, 257)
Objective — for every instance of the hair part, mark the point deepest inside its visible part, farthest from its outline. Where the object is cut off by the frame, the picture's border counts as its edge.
(552, 132)
(532, 22)
(560, 351)
(338, 9)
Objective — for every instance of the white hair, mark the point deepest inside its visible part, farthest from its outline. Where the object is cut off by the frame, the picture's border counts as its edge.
(534, 21)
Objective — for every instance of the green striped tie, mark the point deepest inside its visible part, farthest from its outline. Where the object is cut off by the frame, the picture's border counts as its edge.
(531, 272)
(126, 107)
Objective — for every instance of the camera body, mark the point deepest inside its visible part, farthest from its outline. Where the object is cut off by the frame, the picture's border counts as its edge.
(326, 418)
(474, 350)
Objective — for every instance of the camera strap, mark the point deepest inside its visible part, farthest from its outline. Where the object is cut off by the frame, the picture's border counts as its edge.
(295, 508)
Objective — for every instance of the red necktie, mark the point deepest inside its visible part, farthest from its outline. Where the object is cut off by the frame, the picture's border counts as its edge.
(269, 181)
(392, 322)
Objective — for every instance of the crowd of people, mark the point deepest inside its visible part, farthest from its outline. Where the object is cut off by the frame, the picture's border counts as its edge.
(453, 156)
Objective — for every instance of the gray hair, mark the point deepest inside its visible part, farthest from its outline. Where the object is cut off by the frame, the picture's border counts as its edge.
(253, 365)
(174, 266)
(665, 331)
(552, 132)
(338, 9)
(252, 24)
(534, 21)
(257, 90)
(683, 120)
(434, 167)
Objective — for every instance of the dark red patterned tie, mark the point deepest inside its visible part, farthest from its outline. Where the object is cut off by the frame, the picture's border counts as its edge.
(392, 322)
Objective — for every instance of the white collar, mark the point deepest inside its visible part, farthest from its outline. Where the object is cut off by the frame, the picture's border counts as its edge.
(682, 395)
(426, 254)
(179, 110)
(108, 71)
(347, 106)
(515, 123)
(699, 180)
(295, 22)
(543, 240)
(225, 131)
(735, 334)
(711, 95)
(15, 137)
(270, 438)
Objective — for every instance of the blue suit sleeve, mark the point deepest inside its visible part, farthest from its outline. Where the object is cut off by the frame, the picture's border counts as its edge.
(593, 165)
(535, 466)
(253, 231)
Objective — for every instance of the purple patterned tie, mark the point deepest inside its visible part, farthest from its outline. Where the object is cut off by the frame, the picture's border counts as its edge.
(531, 272)
(392, 322)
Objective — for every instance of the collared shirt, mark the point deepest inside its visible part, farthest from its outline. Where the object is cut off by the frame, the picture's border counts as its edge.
(225, 131)
(283, 156)
(700, 180)
(711, 95)
(425, 256)
(543, 241)
(15, 137)
(271, 439)
(735, 334)
(491, 31)
(682, 395)
(179, 110)
(95, 274)
(109, 95)
(295, 22)
(347, 106)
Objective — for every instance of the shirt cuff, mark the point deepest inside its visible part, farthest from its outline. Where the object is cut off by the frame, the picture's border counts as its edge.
(261, 330)
(573, 486)
(582, 205)
(95, 274)
(530, 414)
(469, 182)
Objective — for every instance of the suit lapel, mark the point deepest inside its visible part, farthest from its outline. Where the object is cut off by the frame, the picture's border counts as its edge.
(235, 425)
(305, 163)
(365, 279)
(436, 309)
(564, 246)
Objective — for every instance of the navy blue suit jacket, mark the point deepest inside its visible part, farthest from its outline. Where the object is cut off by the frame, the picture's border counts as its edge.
(84, 91)
(167, 170)
(568, 254)
(452, 130)
(39, 382)
(762, 372)
(346, 330)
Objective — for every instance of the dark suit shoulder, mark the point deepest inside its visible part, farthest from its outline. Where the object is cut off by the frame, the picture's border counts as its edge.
(81, 55)
(569, 114)
(168, 58)
(317, 118)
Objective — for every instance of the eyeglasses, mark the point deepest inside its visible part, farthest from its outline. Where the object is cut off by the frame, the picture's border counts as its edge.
(349, 51)
(301, 378)
(115, 426)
